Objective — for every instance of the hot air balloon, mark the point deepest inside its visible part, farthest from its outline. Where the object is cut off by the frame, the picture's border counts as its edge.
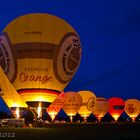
(10, 96)
(116, 107)
(132, 108)
(88, 105)
(40, 54)
(56, 106)
(101, 108)
(72, 103)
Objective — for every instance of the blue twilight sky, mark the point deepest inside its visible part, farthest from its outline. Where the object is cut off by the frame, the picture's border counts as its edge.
(110, 36)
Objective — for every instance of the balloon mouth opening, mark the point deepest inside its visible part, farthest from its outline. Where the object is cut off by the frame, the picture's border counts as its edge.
(36, 104)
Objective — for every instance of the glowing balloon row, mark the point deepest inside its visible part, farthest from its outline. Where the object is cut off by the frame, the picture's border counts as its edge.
(117, 106)
(72, 102)
(85, 103)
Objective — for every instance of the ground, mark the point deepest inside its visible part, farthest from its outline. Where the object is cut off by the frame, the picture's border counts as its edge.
(110, 131)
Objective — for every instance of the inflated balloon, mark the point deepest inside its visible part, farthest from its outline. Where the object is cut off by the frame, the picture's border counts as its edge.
(14, 99)
(72, 103)
(40, 54)
(132, 108)
(88, 105)
(101, 108)
(56, 106)
(116, 107)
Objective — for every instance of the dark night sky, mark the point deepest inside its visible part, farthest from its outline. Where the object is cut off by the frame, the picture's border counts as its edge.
(110, 36)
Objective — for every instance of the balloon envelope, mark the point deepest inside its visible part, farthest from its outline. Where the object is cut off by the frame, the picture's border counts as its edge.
(101, 107)
(10, 95)
(40, 54)
(88, 104)
(116, 107)
(56, 105)
(132, 108)
(73, 102)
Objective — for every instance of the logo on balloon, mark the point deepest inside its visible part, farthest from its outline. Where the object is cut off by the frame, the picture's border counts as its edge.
(6, 57)
(131, 108)
(68, 56)
(91, 104)
(72, 99)
(35, 78)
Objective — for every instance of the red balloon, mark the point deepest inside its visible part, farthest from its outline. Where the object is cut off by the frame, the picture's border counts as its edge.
(116, 107)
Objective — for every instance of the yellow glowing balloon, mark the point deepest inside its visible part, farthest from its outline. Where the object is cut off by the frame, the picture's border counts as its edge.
(40, 54)
(10, 95)
(101, 107)
(73, 102)
(88, 105)
(132, 108)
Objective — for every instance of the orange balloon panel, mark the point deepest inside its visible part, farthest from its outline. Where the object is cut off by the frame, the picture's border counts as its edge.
(101, 107)
(56, 106)
(116, 107)
(72, 103)
(88, 104)
(132, 108)
(39, 52)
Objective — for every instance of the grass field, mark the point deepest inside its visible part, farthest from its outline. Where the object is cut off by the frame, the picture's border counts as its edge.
(107, 131)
